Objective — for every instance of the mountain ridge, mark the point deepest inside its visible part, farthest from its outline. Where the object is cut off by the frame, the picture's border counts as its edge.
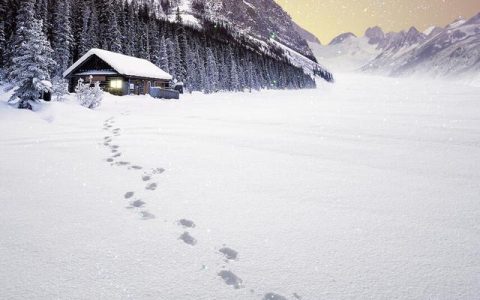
(438, 52)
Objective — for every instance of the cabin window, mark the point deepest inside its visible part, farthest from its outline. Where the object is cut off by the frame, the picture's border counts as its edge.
(116, 83)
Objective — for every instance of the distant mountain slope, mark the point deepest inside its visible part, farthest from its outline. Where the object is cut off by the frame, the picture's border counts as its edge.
(452, 51)
(345, 53)
(306, 35)
(261, 24)
(261, 19)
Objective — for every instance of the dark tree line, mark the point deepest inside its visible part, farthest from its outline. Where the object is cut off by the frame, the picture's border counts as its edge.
(208, 60)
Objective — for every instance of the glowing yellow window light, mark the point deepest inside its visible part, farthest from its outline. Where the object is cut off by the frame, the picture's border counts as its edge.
(116, 83)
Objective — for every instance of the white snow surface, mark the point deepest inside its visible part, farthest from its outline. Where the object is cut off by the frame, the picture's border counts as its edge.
(364, 189)
(124, 65)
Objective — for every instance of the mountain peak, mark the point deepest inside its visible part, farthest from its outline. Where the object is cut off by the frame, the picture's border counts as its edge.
(342, 37)
(375, 35)
(413, 31)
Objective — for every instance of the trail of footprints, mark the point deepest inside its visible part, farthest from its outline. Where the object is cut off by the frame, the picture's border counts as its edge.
(228, 255)
(116, 160)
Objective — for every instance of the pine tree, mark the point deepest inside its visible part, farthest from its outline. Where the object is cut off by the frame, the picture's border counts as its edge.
(110, 32)
(3, 38)
(182, 47)
(211, 82)
(249, 77)
(192, 67)
(201, 75)
(171, 57)
(154, 42)
(234, 77)
(32, 64)
(82, 36)
(42, 13)
(62, 35)
(130, 29)
(24, 20)
(91, 38)
(163, 55)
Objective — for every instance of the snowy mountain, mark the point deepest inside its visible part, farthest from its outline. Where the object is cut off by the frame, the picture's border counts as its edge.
(259, 19)
(346, 52)
(448, 52)
(437, 52)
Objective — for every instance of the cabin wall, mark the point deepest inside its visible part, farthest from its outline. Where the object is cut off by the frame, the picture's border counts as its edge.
(141, 86)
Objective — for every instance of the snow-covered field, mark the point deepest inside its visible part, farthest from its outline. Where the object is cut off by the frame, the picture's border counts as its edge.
(368, 188)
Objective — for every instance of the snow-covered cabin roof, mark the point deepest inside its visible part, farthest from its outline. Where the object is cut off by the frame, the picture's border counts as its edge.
(123, 64)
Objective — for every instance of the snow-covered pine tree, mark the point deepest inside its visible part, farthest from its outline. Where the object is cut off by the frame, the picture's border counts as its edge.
(172, 66)
(82, 35)
(249, 76)
(32, 64)
(211, 82)
(92, 38)
(42, 13)
(130, 29)
(225, 83)
(62, 34)
(3, 38)
(234, 77)
(154, 42)
(62, 44)
(182, 47)
(24, 18)
(110, 32)
(201, 74)
(192, 69)
(163, 64)
(180, 71)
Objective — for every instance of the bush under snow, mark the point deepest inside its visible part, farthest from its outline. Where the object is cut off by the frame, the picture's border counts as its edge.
(89, 96)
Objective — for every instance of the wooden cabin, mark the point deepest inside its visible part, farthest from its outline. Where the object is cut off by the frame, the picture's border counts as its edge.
(121, 75)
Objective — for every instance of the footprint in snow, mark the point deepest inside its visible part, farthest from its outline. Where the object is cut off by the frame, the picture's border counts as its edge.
(231, 279)
(297, 296)
(186, 223)
(152, 186)
(114, 146)
(137, 204)
(122, 163)
(273, 296)
(188, 239)
(114, 150)
(117, 154)
(146, 177)
(129, 195)
(136, 167)
(110, 159)
(146, 215)
(229, 253)
(158, 170)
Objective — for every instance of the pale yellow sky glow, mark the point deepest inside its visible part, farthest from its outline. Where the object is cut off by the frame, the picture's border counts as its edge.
(328, 18)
